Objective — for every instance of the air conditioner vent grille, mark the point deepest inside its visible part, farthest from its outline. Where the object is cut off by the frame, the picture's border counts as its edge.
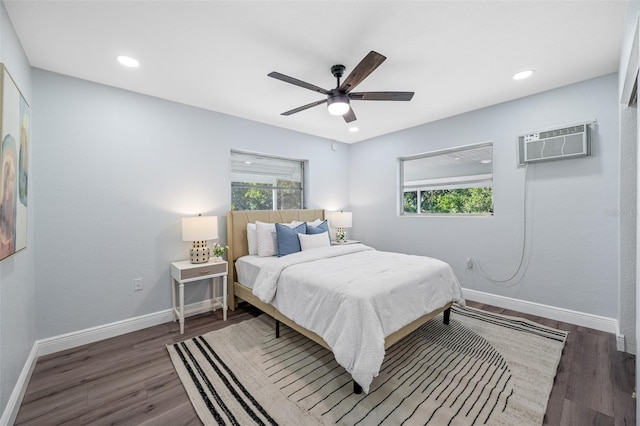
(558, 144)
(562, 132)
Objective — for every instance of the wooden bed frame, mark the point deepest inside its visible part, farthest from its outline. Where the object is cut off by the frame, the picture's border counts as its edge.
(238, 246)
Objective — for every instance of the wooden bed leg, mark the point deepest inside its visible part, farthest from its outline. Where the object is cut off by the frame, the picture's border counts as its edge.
(447, 315)
(277, 329)
(357, 389)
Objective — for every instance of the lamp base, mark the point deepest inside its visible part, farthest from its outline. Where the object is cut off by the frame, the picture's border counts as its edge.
(341, 235)
(200, 253)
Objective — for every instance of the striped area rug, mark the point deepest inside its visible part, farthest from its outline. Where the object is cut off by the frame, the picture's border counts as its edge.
(482, 368)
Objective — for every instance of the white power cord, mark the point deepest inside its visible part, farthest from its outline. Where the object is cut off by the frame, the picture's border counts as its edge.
(501, 282)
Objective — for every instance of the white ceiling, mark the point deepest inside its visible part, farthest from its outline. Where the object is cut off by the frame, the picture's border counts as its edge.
(456, 56)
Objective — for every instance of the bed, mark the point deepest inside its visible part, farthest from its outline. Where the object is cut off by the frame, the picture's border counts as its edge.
(362, 363)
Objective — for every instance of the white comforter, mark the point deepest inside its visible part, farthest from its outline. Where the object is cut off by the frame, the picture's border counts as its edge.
(354, 296)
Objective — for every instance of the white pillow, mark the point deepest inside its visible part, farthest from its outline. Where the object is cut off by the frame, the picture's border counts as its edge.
(252, 238)
(313, 241)
(267, 238)
(315, 222)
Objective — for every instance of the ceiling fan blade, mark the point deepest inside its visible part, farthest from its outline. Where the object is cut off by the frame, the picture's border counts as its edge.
(349, 116)
(303, 107)
(381, 96)
(297, 82)
(362, 70)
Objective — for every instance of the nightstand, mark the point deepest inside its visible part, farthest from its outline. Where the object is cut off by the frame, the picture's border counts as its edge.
(186, 272)
(335, 243)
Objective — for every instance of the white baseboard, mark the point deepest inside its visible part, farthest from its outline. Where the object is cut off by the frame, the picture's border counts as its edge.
(89, 335)
(13, 405)
(609, 325)
(106, 331)
(82, 337)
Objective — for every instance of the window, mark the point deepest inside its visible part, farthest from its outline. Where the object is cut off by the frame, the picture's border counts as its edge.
(453, 181)
(260, 182)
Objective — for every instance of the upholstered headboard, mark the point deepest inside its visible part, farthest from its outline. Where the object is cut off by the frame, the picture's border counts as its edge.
(237, 233)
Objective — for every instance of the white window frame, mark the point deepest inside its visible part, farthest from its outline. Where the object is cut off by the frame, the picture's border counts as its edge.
(268, 177)
(436, 183)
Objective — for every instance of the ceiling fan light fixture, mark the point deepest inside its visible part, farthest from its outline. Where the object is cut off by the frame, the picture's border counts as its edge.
(338, 104)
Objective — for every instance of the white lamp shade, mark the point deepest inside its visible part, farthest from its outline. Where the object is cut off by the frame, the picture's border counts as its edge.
(341, 219)
(200, 228)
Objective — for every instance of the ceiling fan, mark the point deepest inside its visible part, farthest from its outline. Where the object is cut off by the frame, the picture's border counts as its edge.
(338, 99)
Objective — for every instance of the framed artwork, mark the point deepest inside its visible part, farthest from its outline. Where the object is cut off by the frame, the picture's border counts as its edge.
(14, 166)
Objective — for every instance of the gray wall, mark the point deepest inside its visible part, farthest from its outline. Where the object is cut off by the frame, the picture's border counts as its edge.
(572, 259)
(114, 174)
(17, 280)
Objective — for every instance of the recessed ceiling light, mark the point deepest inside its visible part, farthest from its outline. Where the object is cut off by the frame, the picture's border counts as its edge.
(128, 61)
(457, 158)
(353, 129)
(487, 161)
(523, 74)
(247, 162)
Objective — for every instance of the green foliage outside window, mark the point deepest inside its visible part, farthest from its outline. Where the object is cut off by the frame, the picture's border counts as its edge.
(411, 202)
(463, 200)
(289, 198)
(256, 196)
(251, 196)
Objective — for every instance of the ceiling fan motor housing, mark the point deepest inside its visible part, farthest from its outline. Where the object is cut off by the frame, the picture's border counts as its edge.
(337, 102)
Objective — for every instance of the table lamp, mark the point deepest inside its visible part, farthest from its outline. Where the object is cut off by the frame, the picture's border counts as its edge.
(199, 229)
(342, 221)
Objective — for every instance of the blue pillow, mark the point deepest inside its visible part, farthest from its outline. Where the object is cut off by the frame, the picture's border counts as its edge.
(323, 227)
(287, 237)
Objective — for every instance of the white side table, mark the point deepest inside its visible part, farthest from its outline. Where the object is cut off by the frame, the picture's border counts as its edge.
(335, 243)
(186, 272)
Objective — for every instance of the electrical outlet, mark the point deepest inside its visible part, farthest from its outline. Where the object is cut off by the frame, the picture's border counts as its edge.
(137, 284)
(470, 263)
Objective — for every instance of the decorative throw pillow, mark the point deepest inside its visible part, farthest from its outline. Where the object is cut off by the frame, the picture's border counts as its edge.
(287, 237)
(267, 238)
(319, 229)
(252, 238)
(266, 233)
(314, 241)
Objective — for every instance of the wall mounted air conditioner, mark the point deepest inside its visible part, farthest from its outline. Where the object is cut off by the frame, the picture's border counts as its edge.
(558, 144)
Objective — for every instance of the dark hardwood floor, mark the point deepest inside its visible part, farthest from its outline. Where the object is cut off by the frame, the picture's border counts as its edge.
(129, 379)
